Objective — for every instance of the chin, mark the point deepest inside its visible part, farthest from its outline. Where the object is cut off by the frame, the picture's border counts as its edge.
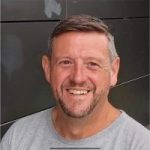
(78, 113)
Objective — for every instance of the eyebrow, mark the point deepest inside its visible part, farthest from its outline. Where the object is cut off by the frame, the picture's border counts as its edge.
(87, 58)
(98, 59)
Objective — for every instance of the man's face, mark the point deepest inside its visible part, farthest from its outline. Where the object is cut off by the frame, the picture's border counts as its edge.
(80, 72)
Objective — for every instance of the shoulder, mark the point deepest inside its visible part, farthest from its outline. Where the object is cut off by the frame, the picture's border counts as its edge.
(31, 120)
(134, 125)
(26, 127)
(135, 133)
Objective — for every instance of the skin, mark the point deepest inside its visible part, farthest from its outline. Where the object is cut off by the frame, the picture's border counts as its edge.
(81, 74)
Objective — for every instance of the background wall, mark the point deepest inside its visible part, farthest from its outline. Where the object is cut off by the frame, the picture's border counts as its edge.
(26, 25)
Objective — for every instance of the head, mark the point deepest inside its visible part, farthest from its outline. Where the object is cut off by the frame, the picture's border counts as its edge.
(82, 64)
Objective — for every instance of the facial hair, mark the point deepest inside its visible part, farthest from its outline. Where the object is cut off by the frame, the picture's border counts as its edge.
(89, 109)
(82, 114)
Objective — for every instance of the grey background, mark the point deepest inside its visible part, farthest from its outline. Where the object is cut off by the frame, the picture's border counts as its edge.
(25, 27)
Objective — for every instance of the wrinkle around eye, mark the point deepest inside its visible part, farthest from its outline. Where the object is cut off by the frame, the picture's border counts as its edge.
(93, 66)
(96, 66)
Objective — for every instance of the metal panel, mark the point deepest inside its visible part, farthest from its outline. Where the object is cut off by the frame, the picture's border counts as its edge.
(109, 8)
(16, 10)
(5, 128)
(132, 43)
(24, 89)
(134, 99)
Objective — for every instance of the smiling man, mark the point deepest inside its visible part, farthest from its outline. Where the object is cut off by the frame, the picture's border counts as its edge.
(81, 66)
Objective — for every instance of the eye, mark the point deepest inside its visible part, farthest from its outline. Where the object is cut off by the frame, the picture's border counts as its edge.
(65, 63)
(93, 65)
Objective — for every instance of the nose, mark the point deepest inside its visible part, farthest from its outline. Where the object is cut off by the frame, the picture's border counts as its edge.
(78, 75)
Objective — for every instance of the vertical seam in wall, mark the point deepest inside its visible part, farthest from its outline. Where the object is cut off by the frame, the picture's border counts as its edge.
(66, 15)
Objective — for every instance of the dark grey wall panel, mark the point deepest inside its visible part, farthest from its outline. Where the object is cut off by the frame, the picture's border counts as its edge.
(33, 9)
(4, 128)
(24, 89)
(109, 8)
(57, 9)
(134, 99)
(132, 43)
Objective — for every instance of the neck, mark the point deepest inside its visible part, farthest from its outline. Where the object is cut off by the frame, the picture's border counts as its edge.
(77, 128)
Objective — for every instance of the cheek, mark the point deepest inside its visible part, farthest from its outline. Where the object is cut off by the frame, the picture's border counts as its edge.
(100, 80)
(57, 79)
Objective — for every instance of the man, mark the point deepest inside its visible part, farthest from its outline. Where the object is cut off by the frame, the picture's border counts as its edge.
(81, 66)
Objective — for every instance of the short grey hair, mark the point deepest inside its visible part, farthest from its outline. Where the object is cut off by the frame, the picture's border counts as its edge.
(83, 23)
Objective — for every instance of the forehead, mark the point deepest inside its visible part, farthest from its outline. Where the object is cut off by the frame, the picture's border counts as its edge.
(87, 43)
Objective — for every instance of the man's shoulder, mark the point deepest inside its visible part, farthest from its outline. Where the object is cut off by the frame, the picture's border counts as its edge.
(29, 123)
(27, 129)
(135, 133)
(134, 125)
(33, 118)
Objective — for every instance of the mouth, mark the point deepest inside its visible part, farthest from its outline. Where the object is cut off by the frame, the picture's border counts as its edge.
(78, 91)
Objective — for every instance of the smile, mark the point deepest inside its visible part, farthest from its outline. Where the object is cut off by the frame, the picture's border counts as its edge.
(78, 92)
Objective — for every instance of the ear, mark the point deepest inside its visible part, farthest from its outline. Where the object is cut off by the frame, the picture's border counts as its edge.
(46, 67)
(114, 71)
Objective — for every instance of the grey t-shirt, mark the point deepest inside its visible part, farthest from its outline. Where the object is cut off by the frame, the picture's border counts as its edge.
(36, 132)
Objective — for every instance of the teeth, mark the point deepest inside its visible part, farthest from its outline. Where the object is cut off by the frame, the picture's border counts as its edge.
(78, 92)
